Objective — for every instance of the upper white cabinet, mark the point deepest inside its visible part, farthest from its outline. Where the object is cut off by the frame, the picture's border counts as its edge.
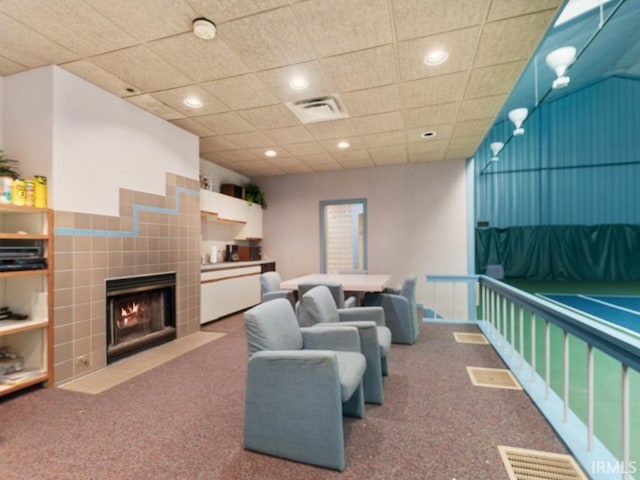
(227, 209)
(253, 228)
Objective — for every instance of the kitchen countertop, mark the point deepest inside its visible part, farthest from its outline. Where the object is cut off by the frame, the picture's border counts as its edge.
(226, 265)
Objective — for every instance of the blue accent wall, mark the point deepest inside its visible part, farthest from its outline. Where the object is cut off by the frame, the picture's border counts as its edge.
(578, 162)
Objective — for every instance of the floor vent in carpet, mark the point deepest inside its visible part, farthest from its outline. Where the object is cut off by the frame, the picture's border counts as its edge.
(523, 464)
(476, 338)
(493, 377)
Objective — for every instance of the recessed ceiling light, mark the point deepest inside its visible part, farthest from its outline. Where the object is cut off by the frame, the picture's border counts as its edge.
(428, 134)
(271, 153)
(436, 57)
(193, 102)
(298, 83)
(343, 144)
(204, 28)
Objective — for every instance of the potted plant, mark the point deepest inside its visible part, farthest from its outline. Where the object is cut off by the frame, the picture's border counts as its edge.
(253, 194)
(7, 167)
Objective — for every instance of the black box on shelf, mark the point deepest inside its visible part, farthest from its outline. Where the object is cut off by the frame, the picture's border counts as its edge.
(232, 190)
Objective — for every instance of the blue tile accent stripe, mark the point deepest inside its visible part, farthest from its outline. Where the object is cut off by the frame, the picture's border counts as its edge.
(136, 209)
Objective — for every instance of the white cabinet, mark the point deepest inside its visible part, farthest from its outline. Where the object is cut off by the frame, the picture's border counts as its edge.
(247, 217)
(227, 290)
(252, 230)
(25, 290)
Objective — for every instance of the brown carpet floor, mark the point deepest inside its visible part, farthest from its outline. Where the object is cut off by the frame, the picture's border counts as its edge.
(183, 420)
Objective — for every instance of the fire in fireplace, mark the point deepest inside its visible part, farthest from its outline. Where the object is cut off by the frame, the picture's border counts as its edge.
(140, 313)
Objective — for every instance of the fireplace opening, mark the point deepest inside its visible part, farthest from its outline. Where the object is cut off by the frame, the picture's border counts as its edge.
(141, 313)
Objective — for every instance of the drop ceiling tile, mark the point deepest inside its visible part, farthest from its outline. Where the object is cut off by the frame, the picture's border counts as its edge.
(234, 156)
(250, 140)
(336, 26)
(356, 155)
(364, 163)
(372, 100)
(27, 47)
(245, 91)
(200, 60)
(94, 74)
(9, 67)
(318, 159)
(193, 126)
(468, 144)
(289, 135)
(389, 155)
(215, 144)
(382, 122)
(155, 106)
(305, 148)
(434, 90)
(383, 139)
(326, 167)
(269, 39)
(331, 129)
(444, 131)
(147, 19)
(513, 8)
(151, 72)
(365, 69)
(411, 53)
(453, 154)
(271, 116)
(176, 96)
(226, 123)
(512, 39)
(481, 107)
(472, 127)
(72, 24)
(223, 10)
(431, 115)
(285, 162)
(277, 80)
(417, 18)
(430, 145)
(422, 157)
(257, 168)
(491, 81)
(295, 168)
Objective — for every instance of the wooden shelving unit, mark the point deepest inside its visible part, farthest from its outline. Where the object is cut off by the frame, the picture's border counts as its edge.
(30, 339)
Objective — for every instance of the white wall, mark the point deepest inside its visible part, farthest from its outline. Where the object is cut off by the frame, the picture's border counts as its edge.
(417, 219)
(89, 142)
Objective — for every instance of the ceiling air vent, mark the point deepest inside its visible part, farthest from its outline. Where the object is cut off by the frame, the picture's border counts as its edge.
(319, 109)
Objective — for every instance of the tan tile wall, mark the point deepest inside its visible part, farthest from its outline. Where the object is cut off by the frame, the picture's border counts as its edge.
(164, 242)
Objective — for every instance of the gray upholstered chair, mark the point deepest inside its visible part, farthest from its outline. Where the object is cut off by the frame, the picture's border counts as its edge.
(336, 291)
(270, 288)
(400, 311)
(317, 307)
(300, 382)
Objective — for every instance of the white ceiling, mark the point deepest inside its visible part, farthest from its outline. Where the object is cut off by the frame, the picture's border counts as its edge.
(369, 52)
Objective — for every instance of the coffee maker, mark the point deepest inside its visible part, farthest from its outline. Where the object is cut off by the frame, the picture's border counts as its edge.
(231, 253)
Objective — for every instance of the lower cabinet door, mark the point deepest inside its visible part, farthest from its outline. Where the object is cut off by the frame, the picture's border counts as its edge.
(209, 300)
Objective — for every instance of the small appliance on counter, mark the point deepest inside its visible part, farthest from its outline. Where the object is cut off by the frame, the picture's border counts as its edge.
(231, 253)
(213, 255)
(249, 253)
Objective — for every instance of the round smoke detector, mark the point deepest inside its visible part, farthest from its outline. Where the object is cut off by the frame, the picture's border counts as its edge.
(204, 28)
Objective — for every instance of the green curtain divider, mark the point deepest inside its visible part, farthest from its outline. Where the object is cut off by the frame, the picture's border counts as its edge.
(562, 252)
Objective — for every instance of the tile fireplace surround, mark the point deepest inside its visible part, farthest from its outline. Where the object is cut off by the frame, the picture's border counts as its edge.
(153, 234)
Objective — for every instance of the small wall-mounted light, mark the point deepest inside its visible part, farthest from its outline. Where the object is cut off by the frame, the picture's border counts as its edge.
(559, 61)
(495, 149)
(518, 116)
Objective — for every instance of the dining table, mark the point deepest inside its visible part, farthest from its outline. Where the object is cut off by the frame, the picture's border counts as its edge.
(350, 282)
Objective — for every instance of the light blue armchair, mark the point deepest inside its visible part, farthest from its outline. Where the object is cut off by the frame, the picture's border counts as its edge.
(300, 382)
(400, 311)
(317, 307)
(270, 288)
(336, 291)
